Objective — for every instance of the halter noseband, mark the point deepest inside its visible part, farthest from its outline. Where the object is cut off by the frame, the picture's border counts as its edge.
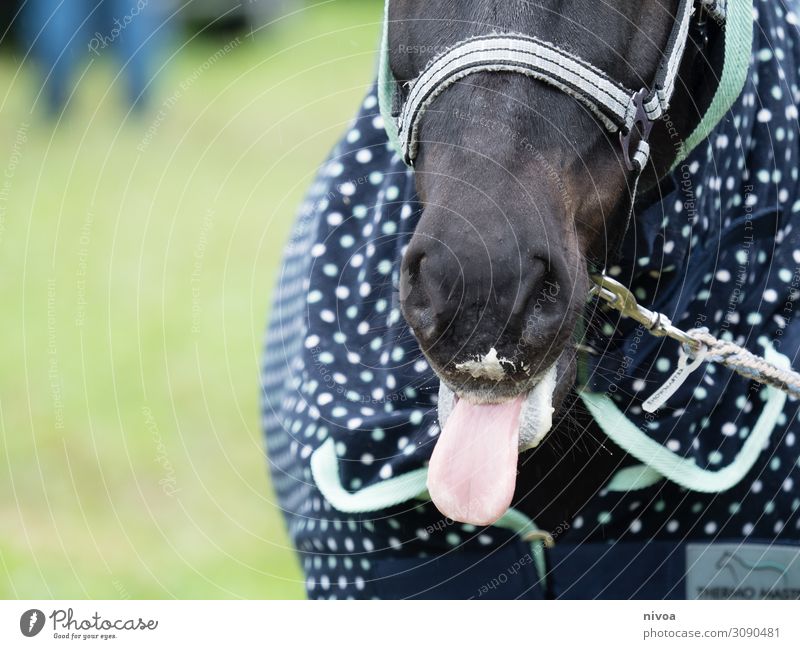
(620, 109)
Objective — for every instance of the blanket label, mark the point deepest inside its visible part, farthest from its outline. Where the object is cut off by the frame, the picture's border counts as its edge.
(742, 571)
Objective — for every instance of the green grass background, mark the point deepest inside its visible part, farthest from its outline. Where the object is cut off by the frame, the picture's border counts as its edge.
(135, 286)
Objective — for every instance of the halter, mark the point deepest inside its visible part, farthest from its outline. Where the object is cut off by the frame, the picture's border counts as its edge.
(618, 108)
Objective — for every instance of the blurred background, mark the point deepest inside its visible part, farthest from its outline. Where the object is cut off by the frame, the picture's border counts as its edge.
(152, 155)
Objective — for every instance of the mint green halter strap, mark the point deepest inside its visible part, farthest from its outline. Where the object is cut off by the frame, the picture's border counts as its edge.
(386, 83)
(738, 49)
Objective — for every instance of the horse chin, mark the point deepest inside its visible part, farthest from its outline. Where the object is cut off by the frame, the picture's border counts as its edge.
(544, 394)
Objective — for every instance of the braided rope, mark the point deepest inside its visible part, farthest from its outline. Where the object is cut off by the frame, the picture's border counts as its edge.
(744, 362)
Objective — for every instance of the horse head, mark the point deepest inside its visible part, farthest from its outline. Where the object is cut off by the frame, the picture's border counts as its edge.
(522, 189)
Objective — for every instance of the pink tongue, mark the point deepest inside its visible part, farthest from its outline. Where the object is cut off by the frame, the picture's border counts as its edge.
(473, 468)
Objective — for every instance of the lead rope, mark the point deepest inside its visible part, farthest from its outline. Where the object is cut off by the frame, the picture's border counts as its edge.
(745, 363)
(698, 344)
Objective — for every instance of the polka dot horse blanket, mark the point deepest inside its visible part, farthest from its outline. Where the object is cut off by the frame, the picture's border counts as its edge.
(349, 402)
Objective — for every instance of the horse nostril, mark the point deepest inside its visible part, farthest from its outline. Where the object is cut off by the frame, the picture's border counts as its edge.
(415, 301)
(528, 286)
(546, 308)
(409, 275)
(426, 297)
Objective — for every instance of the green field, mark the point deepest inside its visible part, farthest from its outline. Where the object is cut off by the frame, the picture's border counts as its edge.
(138, 256)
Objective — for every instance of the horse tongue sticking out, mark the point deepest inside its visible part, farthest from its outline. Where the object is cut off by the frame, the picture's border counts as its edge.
(473, 468)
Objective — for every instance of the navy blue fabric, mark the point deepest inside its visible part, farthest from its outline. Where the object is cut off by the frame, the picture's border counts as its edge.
(505, 573)
(721, 249)
(649, 570)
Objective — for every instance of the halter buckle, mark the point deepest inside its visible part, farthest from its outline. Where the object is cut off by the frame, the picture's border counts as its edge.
(641, 122)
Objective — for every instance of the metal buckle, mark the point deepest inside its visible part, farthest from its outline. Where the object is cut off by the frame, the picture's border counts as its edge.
(621, 299)
(699, 27)
(641, 122)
